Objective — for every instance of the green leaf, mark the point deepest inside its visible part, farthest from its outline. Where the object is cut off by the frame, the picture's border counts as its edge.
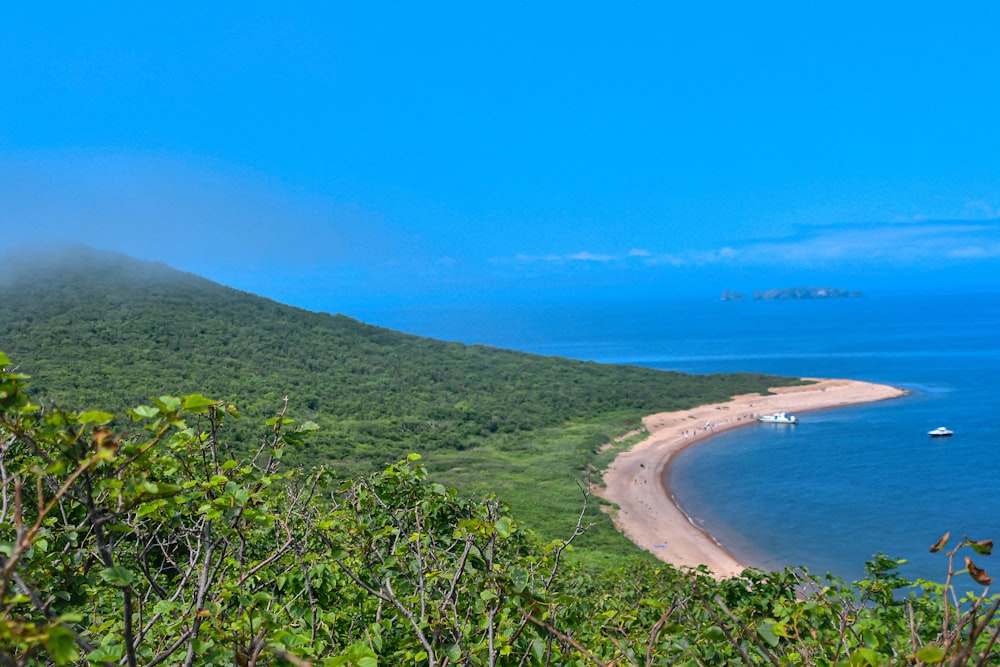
(454, 652)
(98, 417)
(201, 646)
(61, 645)
(148, 508)
(519, 578)
(864, 656)
(164, 607)
(376, 637)
(981, 547)
(197, 403)
(714, 633)
(766, 632)
(505, 526)
(360, 654)
(168, 403)
(930, 654)
(117, 576)
(106, 654)
(69, 617)
(306, 427)
(537, 649)
(781, 630)
(145, 412)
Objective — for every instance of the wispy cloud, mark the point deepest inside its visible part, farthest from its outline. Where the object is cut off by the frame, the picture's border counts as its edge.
(585, 256)
(888, 244)
(986, 251)
(694, 257)
(582, 256)
(900, 244)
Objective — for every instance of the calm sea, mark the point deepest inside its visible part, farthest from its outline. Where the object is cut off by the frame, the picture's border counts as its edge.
(843, 484)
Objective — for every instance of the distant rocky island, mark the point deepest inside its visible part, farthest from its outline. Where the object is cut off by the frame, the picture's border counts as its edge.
(793, 293)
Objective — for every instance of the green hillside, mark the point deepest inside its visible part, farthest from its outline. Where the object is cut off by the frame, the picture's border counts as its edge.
(98, 329)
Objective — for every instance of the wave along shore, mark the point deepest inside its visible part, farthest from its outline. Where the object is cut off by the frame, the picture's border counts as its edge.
(636, 481)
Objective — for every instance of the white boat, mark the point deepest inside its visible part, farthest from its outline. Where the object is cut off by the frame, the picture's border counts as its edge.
(940, 432)
(778, 418)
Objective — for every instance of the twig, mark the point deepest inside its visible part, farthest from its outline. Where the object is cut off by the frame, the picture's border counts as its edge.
(564, 637)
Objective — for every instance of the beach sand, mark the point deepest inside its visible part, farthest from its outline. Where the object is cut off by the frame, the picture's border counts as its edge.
(636, 480)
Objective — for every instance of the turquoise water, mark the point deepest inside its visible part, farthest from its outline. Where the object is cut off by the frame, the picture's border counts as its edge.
(843, 484)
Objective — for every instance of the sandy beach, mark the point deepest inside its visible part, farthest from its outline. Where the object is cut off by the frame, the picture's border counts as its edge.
(647, 513)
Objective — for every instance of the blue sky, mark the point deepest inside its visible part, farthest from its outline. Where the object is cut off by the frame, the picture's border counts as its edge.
(331, 155)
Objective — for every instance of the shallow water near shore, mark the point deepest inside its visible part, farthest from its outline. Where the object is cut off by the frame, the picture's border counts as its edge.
(844, 483)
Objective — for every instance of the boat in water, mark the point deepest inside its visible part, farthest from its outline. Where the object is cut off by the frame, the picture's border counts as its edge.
(940, 432)
(778, 418)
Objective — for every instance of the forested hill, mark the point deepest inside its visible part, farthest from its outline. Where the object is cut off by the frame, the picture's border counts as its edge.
(97, 329)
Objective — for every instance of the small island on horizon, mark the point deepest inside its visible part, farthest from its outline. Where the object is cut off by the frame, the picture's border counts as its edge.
(793, 293)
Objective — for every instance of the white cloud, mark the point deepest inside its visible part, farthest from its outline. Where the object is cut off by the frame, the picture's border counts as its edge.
(976, 252)
(585, 256)
(582, 256)
(888, 244)
(525, 258)
(669, 259)
(899, 244)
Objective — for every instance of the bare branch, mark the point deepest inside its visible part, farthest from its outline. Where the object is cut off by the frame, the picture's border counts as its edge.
(564, 637)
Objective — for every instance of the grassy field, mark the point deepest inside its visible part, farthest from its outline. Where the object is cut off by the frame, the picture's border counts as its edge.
(546, 479)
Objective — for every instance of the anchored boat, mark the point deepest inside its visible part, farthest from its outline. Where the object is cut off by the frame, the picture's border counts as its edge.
(778, 418)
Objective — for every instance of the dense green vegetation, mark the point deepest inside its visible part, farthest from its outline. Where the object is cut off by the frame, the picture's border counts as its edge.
(304, 532)
(96, 329)
(158, 544)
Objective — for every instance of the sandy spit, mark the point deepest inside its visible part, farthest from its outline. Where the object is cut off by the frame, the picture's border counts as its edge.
(647, 513)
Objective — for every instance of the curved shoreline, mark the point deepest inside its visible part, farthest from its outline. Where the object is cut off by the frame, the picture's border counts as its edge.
(636, 481)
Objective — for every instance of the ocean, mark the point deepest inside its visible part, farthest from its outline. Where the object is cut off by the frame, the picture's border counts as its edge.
(843, 484)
